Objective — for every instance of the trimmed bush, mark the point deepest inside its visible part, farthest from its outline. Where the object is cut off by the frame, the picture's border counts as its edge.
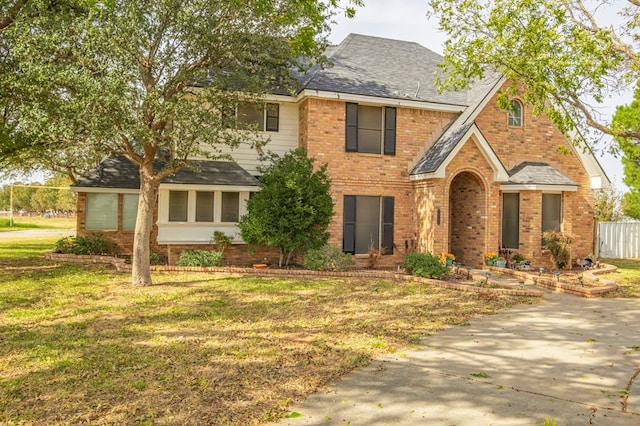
(327, 258)
(92, 244)
(202, 258)
(424, 265)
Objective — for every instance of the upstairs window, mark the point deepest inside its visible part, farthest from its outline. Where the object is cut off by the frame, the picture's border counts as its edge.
(515, 113)
(370, 129)
(252, 116)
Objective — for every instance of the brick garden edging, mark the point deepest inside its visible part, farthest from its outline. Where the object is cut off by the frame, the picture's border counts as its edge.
(122, 266)
(606, 285)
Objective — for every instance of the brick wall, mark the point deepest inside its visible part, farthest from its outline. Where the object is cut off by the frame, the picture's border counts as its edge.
(370, 174)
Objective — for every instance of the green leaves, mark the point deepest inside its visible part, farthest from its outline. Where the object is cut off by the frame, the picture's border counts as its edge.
(555, 52)
(293, 209)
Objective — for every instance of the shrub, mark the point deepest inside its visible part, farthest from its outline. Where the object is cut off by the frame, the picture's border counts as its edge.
(327, 258)
(92, 244)
(558, 244)
(221, 240)
(200, 258)
(424, 265)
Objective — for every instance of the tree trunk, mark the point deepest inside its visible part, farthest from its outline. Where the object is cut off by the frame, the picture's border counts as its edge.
(140, 272)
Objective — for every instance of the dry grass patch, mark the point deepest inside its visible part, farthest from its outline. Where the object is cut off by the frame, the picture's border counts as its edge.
(627, 277)
(81, 345)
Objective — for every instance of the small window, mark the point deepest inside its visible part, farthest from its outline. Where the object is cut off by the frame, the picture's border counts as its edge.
(251, 116)
(129, 211)
(515, 113)
(204, 206)
(511, 220)
(230, 206)
(101, 212)
(178, 204)
(370, 129)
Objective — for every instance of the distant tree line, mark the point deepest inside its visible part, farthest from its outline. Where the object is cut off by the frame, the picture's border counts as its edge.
(39, 198)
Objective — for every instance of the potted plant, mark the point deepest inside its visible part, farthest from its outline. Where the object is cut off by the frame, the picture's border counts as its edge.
(501, 262)
(490, 258)
(447, 259)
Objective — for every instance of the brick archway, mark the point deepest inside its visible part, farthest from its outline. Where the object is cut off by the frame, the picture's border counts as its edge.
(467, 218)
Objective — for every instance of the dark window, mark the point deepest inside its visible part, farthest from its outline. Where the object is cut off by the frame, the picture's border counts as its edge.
(178, 203)
(368, 222)
(251, 116)
(230, 206)
(551, 212)
(204, 206)
(367, 127)
(511, 220)
(273, 118)
(515, 114)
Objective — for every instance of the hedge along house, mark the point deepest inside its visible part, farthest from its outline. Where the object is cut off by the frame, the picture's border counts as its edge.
(411, 168)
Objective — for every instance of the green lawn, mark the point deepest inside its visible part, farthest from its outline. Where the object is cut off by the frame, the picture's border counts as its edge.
(627, 277)
(82, 345)
(37, 222)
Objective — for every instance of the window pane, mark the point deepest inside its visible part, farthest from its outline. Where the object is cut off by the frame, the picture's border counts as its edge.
(511, 221)
(204, 206)
(251, 117)
(230, 206)
(101, 211)
(273, 117)
(515, 114)
(129, 211)
(551, 212)
(369, 129)
(367, 223)
(178, 206)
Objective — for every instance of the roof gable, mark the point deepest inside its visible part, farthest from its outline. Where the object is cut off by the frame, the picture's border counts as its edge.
(436, 160)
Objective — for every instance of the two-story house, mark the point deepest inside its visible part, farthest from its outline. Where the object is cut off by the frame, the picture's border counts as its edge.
(411, 168)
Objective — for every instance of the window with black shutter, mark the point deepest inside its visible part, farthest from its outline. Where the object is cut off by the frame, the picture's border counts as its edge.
(370, 129)
(367, 222)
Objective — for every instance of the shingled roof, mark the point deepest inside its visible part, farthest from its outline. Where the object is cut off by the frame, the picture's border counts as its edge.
(531, 173)
(381, 67)
(117, 171)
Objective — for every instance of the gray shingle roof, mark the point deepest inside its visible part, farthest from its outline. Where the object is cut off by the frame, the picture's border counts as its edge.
(374, 66)
(117, 171)
(537, 174)
(434, 157)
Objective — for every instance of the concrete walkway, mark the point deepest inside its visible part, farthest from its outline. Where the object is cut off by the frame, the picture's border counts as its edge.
(568, 358)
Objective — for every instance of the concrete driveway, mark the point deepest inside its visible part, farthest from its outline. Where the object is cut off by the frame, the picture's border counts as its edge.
(569, 359)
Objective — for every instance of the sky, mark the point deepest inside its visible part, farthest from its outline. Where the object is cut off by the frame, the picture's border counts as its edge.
(407, 20)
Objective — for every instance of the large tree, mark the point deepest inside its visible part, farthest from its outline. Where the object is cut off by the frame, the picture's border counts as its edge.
(149, 79)
(567, 55)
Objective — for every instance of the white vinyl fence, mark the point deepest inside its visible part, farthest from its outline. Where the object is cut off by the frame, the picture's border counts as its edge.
(618, 240)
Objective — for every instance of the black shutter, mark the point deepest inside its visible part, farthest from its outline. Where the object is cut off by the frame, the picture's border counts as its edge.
(351, 131)
(387, 224)
(349, 228)
(389, 131)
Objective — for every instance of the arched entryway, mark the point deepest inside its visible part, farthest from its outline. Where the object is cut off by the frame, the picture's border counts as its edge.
(467, 219)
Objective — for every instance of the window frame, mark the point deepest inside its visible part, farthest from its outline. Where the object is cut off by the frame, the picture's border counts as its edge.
(242, 195)
(507, 226)
(385, 225)
(111, 214)
(387, 129)
(269, 117)
(123, 215)
(558, 212)
(515, 114)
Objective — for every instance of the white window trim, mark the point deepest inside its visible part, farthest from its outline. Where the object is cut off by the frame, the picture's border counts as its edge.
(163, 204)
